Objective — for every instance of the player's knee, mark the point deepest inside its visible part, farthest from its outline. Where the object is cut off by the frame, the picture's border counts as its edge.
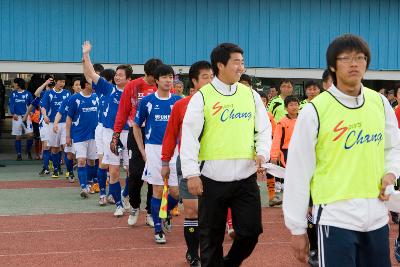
(157, 191)
(174, 192)
(81, 162)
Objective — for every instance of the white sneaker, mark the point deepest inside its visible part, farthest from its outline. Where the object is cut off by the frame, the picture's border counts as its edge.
(149, 220)
(278, 187)
(166, 225)
(103, 201)
(119, 212)
(84, 193)
(110, 199)
(133, 217)
(160, 238)
(125, 203)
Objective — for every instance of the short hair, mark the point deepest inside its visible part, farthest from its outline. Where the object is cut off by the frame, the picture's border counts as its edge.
(163, 70)
(177, 81)
(127, 68)
(263, 95)
(245, 78)
(151, 65)
(108, 74)
(311, 83)
(20, 82)
(222, 54)
(345, 43)
(326, 75)
(195, 69)
(60, 77)
(290, 99)
(77, 79)
(98, 67)
(285, 81)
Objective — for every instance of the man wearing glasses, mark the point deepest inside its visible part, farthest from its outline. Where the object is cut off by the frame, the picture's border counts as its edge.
(344, 151)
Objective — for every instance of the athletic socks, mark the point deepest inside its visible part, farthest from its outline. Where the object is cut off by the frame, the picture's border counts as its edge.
(82, 176)
(115, 191)
(56, 163)
(69, 163)
(92, 174)
(18, 147)
(126, 188)
(102, 176)
(192, 236)
(155, 209)
(312, 233)
(46, 159)
(172, 202)
(29, 143)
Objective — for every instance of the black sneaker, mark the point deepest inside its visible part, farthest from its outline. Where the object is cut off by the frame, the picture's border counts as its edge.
(19, 157)
(44, 172)
(71, 177)
(29, 155)
(55, 175)
(194, 261)
(313, 258)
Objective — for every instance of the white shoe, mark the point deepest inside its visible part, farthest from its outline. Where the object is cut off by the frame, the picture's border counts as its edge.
(160, 238)
(149, 220)
(119, 212)
(103, 201)
(110, 199)
(278, 187)
(133, 217)
(85, 193)
(166, 225)
(125, 203)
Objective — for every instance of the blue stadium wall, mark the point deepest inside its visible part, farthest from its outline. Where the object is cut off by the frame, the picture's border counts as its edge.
(274, 34)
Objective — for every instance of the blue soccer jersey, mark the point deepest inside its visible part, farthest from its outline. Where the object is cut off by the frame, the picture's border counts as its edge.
(83, 112)
(102, 104)
(52, 100)
(155, 112)
(112, 96)
(19, 102)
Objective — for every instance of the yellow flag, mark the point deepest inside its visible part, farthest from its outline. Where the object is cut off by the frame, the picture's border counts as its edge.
(164, 200)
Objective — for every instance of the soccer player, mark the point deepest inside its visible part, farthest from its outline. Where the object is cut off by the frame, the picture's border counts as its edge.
(80, 126)
(200, 73)
(18, 102)
(50, 104)
(113, 94)
(277, 105)
(155, 110)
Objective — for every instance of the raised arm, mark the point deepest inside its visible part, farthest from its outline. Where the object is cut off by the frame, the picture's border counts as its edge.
(88, 69)
(42, 87)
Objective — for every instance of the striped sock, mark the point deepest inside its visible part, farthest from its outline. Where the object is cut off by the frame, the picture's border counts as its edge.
(192, 236)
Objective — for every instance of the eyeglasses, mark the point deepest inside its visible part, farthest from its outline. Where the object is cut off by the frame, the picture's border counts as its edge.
(357, 59)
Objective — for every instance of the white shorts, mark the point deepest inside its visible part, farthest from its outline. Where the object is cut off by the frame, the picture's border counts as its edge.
(69, 149)
(44, 132)
(19, 128)
(152, 169)
(86, 149)
(98, 137)
(109, 157)
(59, 138)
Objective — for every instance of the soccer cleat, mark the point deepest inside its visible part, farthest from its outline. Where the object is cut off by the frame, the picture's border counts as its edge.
(166, 224)
(55, 175)
(133, 217)
(397, 250)
(193, 261)
(313, 258)
(175, 211)
(44, 172)
(119, 212)
(19, 157)
(125, 203)
(278, 187)
(84, 193)
(149, 220)
(160, 238)
(71, 177)
(275, 201)
(29, 155)
(96, 187)
(67, 175)
(91, 189)
(110, 199)
(103, 201)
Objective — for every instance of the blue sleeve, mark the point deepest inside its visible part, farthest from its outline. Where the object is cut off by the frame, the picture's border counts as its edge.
(63, 105)
(30, 99)
(11, 103)
(103, 87)
(44, 103)
(141, 113)
(71, 107)
(36, 102)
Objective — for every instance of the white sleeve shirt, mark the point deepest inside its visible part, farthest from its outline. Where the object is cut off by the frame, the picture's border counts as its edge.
(221, 170)
(354, 214)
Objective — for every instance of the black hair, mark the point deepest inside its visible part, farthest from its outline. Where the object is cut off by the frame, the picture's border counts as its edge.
(311, 83)
(290, 99)
(60, 77)
(285, 81)
(263, 95)
(195, 69)
(127, 68)
(77, 79)
(108, 74)
(47, 76)
(245, 78)
(20, 82)
(345, 43)
(326, 75)
(98, 67)
(222, 53)
(151, 65)
(163, 70)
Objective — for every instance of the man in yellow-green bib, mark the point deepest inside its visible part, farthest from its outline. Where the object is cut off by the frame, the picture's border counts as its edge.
(226, 129)
(344, 151)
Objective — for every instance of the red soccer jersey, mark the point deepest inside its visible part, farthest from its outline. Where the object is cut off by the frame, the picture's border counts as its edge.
(174, 129)
(134, 91)
(397, 112)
